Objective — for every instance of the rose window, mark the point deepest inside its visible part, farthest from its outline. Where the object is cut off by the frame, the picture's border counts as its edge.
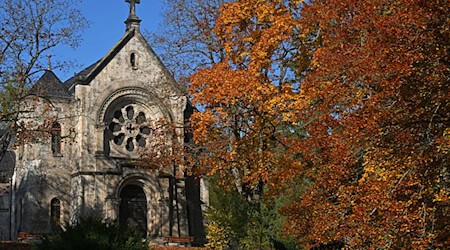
(129, 128)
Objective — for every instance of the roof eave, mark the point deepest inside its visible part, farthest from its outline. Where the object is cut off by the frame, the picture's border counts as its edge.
(108, 57)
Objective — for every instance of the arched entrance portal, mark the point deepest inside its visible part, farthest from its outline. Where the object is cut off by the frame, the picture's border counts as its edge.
(133, 208)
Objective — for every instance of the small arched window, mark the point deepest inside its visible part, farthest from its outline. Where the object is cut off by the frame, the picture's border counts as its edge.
(55, 211)
(133, 60)
(56, 139)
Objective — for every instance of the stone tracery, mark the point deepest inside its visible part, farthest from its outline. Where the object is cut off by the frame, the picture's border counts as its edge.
(129, 127)
(128, 116)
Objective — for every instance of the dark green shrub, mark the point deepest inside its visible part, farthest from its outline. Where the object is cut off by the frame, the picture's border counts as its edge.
(93, 234)
(235, 222)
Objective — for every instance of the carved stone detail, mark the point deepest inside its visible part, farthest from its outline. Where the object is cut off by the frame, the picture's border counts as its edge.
(129, 128)
(139, 95)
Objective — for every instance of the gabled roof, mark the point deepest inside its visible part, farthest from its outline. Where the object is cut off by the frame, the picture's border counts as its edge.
(49, 85)
(89, 73)
(77, 78)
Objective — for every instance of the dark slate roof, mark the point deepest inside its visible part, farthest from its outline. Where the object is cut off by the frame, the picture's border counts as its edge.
(89, 73)
(74, 80)
(49, 85)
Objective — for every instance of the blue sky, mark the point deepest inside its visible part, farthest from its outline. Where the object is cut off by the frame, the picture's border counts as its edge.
(107, 26)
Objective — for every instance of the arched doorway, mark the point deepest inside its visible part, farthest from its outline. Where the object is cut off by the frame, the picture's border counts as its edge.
(133, 208)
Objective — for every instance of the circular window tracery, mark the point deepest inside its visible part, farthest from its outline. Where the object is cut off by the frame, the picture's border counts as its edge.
(129, 128)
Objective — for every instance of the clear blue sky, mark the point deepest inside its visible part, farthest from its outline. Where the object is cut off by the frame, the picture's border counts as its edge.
(107, 26)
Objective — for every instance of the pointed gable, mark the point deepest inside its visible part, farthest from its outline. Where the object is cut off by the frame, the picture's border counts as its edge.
(49, 85)
(88, 74)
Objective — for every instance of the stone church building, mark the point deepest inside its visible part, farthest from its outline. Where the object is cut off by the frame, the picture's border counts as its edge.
(99, 120)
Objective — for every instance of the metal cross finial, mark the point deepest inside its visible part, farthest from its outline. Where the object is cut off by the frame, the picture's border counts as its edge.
(49, 62)
(133, 7)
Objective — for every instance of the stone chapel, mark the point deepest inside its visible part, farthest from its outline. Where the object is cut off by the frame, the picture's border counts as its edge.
(100, 119)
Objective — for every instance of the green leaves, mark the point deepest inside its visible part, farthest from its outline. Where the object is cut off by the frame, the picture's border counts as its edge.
(92, 233)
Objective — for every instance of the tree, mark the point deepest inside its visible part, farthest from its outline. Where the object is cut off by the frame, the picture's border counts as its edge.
(29, 32)
(378, 145)
(185, 39)
(351, 99)
(248, 97)
(246, 100)
(188, 43)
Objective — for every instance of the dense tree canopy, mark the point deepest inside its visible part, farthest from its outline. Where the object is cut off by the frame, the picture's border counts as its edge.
(349, 98)
(247, 97)
(379, 95)
(380, 113)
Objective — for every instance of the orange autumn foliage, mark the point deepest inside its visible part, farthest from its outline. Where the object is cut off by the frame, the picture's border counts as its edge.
(246, 97)
(351, 96)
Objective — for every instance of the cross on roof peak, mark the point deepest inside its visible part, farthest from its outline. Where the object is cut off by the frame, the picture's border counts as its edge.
(133, 21)
(133, 7)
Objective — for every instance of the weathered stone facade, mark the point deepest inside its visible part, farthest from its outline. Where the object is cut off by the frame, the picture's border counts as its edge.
(101, 118)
